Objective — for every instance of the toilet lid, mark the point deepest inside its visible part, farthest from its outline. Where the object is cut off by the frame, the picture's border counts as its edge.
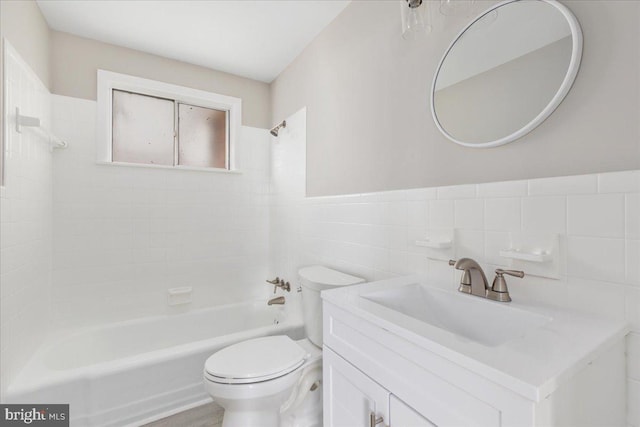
(255, 360)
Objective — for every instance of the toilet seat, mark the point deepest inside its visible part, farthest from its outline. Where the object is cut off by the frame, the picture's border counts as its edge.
(255, 360)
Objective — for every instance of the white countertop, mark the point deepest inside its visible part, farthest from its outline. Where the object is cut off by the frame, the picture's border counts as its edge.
(532, 365)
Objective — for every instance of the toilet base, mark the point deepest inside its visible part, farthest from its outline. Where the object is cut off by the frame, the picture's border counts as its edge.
(309, 414)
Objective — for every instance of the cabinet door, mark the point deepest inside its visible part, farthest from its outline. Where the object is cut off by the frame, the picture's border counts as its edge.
(350, 397)
(402, 415)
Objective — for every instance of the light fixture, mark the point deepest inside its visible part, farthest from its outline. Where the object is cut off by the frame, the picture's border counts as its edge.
(415, 19)
(456, 7)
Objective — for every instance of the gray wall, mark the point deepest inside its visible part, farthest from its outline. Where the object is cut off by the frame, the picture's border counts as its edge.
(22, 23)
(74, 61)
(369, 126)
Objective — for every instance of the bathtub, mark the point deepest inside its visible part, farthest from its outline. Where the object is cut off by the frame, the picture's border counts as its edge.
(139, 370)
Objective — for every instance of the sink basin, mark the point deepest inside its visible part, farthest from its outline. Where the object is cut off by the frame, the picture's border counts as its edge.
(485, 322)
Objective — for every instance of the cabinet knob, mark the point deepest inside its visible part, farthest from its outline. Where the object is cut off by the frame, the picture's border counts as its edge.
(373, 420)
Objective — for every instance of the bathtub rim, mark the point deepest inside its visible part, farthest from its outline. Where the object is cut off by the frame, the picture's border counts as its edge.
(36, 374)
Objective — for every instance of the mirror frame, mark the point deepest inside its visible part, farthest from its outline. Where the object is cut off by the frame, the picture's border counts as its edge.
(563, 90)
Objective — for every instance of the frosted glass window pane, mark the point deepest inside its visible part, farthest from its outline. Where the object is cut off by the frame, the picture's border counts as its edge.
(202, 139)
(143, 129)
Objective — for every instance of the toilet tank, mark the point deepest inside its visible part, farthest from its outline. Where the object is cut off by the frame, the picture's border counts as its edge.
(313, 280)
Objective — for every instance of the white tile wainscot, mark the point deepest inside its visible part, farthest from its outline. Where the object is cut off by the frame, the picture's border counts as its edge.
(369, 235)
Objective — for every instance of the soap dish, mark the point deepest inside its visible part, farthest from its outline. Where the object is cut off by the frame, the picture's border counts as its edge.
(434, 244)
(526, 256)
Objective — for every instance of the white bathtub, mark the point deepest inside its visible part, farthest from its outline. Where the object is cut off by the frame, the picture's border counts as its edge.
(126, 372)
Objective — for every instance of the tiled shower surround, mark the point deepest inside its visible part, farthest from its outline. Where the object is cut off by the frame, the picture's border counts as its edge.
(123, 235)
(25, 222)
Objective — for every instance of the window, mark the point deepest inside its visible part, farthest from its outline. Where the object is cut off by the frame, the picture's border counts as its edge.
(157, 124)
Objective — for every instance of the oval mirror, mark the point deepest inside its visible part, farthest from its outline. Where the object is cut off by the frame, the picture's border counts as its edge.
(506, 72)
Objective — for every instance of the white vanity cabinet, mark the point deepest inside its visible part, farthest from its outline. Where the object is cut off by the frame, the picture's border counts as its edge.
(371, 367)
(351, 396)
(355, 400)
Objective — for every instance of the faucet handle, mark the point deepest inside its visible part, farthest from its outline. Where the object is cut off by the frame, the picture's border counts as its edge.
(452, 262)
(515, 273)
(499, 290)
(274, 281)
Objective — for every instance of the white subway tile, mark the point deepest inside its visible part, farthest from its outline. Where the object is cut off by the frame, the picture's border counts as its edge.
(545, 214)
(596, 258)
(502, 214)
(599, 215)
(550, 292)
(633, 262)
(457, 192)
(633, 408)
(398, 262)
(417, 213)
(632, 216)
(416, 263)
(503, 189)
(422, 193)
(619, 182)
(494, 242)
(596, 297)
(633, 356)
(633, 307)
(470, 244)
(469, 214)
(441, 274)
(441, 214)
(564, 185)
(395, 213)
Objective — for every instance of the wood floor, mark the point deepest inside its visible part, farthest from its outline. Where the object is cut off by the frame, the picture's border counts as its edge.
(209, 415)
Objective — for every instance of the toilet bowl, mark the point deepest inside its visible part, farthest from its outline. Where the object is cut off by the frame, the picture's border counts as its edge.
(275, 381)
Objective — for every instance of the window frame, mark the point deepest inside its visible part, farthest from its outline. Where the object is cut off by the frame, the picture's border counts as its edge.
(108, 81)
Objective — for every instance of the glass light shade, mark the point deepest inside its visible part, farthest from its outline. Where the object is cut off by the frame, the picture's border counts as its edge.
(415, 20)
(456, 7)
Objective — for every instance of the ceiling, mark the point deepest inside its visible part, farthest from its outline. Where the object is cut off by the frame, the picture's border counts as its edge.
(254, 39)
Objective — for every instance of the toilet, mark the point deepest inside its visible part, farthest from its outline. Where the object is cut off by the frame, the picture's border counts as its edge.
(275, 381)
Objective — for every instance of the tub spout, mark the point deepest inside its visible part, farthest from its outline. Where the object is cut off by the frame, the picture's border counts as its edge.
(278, 300)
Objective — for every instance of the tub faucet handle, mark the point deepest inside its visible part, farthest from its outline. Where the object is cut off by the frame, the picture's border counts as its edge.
(275, 282)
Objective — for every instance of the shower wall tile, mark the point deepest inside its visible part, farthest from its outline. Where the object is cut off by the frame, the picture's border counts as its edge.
(25, 222)
(124, 235)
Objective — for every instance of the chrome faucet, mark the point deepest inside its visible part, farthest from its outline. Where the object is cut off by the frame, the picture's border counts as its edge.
(474, 281)
(280, 283)
(276, 300)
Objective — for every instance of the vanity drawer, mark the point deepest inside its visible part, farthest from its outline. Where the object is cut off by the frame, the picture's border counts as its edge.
(427, 392)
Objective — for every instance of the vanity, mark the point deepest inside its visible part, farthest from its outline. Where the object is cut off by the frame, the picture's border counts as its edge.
(405, 352)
